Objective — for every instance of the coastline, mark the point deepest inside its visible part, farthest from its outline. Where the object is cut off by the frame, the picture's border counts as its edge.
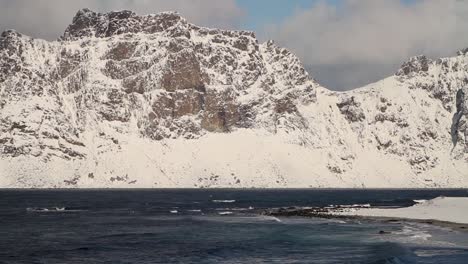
(451, 212)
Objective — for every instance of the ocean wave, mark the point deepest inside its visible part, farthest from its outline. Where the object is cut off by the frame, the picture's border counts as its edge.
(241, 209)
(52, 210)
(235, 209)
(225, 213)
(411, 234)
(437, 252)
(390, 260)
(270, 218)
(414, 233)
(223, 201)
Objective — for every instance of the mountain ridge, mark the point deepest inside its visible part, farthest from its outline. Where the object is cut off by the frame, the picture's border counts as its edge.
(122, 100)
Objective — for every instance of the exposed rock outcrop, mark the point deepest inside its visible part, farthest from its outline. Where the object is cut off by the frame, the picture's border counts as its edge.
(351, 109)
(459, 130)
(414, 65)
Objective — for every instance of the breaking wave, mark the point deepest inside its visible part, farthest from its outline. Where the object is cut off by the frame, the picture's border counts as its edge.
(52, 210)
(224, 201)
(225, 213)
(235, 209)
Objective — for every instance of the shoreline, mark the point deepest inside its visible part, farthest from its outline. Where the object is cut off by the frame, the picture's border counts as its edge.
(452, 225)
(447, 212)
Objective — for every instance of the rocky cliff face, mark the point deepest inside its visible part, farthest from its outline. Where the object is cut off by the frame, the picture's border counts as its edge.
(122, 100)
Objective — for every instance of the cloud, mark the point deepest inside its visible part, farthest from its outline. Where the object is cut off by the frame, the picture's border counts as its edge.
(49, 18)
(356, 42)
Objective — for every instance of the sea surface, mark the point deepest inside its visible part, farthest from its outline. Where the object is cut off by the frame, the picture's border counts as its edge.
(215, 226)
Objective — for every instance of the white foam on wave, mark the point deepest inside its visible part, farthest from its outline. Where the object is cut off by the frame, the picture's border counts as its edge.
(270, 218)
(414, 233)
(337, 221)
(225, 213)
(235, 209)
(223, 201)
(51, 210)
(420, 234)
(436, 252)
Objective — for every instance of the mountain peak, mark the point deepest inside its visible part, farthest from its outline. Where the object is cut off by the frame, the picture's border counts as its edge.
(415, 64)
(88, 23)
(462, 52)
(11, 33)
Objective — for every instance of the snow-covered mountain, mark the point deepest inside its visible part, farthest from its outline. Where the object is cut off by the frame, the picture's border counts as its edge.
(122, 100)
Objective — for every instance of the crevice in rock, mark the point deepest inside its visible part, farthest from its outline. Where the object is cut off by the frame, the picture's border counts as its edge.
(457, 117)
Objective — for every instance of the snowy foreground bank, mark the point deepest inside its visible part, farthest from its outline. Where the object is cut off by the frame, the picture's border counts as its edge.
(445, 209)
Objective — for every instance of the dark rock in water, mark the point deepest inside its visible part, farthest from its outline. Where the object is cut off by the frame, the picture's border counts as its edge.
(381, 232)
(294, 211)
(319, 212)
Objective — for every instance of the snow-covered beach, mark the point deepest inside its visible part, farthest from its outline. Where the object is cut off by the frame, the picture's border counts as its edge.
(441, 209)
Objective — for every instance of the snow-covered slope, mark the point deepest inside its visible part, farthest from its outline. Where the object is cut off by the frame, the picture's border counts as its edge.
(122, 100)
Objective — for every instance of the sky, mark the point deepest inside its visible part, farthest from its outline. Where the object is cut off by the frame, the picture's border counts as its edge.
(344, 44)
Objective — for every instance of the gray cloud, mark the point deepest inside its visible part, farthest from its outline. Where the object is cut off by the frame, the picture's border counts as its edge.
(49, 18)
(360, 41)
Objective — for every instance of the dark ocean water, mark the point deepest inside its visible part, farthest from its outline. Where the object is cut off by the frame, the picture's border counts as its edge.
(214, 226)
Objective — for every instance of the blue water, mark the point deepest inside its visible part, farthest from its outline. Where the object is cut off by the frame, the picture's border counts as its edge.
(214, 226)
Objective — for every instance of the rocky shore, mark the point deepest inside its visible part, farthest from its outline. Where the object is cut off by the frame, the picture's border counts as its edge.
(319, 212)
(441, 211)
